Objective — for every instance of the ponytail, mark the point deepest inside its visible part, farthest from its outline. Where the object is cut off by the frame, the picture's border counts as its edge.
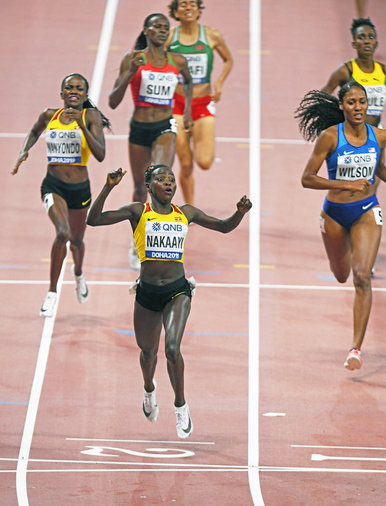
(89, 104)
(317, 111)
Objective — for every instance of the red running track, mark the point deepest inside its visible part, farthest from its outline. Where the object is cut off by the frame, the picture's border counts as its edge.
(323, 442)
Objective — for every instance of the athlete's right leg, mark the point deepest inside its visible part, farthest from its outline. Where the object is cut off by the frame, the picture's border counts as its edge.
(147, 326)
(337, 244)
(140, 158)
(185, 157)
(58, 214)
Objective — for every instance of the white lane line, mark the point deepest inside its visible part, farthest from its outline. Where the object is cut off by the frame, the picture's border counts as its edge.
(139, 470)
(254, 253)
(318, 457)
(337, 288)
(113, 283)
(128, 463)
(21, 471)
(99, 440)
(207, 470)
(341, 447)
(319, 470)
(33, 404)
(103, 50)
(236, 140)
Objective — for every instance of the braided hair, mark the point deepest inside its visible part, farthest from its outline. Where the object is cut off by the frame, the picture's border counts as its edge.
(88, 104)
(141, 41)
(150, 169)
(319, 110)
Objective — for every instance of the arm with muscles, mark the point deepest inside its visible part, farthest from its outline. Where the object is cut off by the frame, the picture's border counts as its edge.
(93, 131)
(195, 215)
(324, 146)
(96, 217)
(222, 49)
(33, 136)
(339, 77)
(381, 168)
(129, 66)
(182, 66)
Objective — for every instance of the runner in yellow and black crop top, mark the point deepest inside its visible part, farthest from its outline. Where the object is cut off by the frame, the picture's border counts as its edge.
(366, 71)
(363, 69)
(152, 74)
(197, 43)
(163, 294)
(72, 134)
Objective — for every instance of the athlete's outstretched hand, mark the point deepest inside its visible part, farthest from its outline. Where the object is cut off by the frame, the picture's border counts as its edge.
(244, 204)
(22, 157)
(114, 177)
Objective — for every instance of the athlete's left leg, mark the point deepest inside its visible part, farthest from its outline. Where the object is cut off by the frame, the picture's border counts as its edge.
(175, 315)
(204, 142)
(365, 238)
(77, 221)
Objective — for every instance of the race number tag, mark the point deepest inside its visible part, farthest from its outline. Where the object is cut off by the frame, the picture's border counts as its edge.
(157, 87)
(64, 146)
(165, 240)
(378, 215)
(351, 167)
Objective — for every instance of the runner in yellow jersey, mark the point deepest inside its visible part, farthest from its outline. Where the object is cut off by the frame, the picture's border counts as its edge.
(363, 69)
(163, 294)
(73, 133)
(366, 71)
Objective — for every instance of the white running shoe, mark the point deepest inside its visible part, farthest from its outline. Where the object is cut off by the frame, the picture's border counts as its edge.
(184, 423)
(48, 306)
(353, 360)
(149, 404)
(134, 258)
(81, 289)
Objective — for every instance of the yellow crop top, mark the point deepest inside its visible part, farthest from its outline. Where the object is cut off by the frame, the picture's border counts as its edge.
(66, 144)
(374, 82)
(161, 236)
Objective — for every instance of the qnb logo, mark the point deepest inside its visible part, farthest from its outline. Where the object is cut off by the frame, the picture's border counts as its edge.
(347, 159)
(171, 227)
(156, 226)
(53, 134)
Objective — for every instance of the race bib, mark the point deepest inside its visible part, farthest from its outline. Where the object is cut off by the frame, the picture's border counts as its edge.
(157, 87)
(64, 146)
(351, 167)
(375, 99)
(165, 240)
(198, 67)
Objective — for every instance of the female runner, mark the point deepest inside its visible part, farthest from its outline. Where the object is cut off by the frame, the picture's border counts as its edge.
(163, 294)
(152, 74)
(73, 133)
(351, 219)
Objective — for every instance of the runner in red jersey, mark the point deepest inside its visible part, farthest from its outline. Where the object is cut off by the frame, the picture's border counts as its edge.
(152, 73)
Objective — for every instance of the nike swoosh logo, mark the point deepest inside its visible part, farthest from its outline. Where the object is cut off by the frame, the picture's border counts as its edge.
(348, 152)
(86, 202)
(145, 412)
(189, 427)
(367, 206)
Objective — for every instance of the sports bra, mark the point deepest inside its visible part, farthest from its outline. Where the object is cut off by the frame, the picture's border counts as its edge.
(66, 144)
